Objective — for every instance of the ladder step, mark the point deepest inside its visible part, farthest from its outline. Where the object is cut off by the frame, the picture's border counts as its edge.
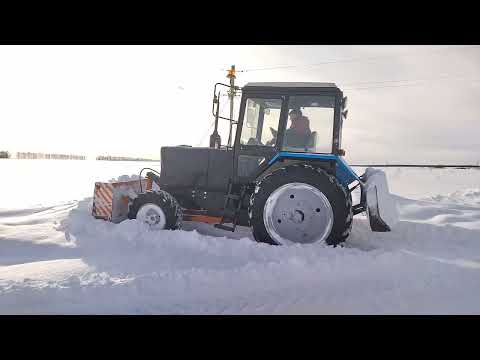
(224, 227)
(230, 214)
(357, 209)
(233, 196)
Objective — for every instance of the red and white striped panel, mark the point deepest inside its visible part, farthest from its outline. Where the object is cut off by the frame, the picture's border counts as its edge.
(103, 201)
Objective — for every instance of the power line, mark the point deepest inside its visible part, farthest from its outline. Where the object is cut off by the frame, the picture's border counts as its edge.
(406, 80)
(358, 59)
(392, 86)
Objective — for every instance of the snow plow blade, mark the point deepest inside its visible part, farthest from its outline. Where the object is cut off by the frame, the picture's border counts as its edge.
(381, 206)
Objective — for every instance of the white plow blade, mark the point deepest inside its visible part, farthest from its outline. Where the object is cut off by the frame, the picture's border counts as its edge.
(382, 208)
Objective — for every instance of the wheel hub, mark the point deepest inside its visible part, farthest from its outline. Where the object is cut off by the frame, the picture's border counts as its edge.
(297, 216)
(153, 216)
(298, 213)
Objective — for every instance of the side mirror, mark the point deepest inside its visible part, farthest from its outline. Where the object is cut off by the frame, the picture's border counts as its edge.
(344, 114)
(344, 102)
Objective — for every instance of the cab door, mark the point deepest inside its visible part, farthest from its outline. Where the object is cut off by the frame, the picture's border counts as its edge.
(257, 134)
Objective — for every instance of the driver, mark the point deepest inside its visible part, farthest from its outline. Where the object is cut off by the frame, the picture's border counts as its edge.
(299, 133)
(295, 113)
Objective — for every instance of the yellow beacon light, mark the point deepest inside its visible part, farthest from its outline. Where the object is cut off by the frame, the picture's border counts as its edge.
(231, 72)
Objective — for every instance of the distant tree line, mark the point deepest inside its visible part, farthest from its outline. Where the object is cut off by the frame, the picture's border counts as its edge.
(121, 158)
(32, 155)
(29, 155)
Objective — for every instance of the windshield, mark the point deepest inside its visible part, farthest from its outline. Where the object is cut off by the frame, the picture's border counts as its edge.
(260, 125)
(310, 124)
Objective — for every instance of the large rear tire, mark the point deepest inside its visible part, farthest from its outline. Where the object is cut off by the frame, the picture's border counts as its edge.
(300, 204)
(158, 209)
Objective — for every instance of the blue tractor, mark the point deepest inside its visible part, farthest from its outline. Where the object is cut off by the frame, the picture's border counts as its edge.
(283, 176)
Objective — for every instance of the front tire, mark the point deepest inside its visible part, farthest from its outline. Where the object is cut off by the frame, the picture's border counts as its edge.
(300, 204)
(158, 209)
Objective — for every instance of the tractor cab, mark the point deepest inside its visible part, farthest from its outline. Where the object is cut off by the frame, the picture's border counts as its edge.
(299, 118)
(306, 124)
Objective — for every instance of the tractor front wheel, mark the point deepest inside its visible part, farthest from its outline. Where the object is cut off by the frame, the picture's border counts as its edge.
(158, 209)
(300, 204)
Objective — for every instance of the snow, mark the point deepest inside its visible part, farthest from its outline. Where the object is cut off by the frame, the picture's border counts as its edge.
(56, 259)
(382, 199)
(28, 184)
(416, 183)
(125, 178)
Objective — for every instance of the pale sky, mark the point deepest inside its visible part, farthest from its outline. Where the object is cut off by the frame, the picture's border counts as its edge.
(416, 104)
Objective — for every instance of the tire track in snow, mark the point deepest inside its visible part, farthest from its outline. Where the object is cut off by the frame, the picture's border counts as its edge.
(131, 270)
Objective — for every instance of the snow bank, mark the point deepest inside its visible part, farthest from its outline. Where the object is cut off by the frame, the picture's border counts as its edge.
(468, 196)
(125, 178)
(58, 259)
(104, 268)
(421, 183)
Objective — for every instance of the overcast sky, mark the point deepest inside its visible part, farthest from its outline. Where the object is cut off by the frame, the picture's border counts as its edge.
(406, 103)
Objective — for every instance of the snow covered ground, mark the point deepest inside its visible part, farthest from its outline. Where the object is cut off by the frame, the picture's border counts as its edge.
(56, 259)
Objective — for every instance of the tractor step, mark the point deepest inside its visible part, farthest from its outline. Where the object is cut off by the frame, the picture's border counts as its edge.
(231, 213)
(225, 227)
(357, 209)
(233, 196)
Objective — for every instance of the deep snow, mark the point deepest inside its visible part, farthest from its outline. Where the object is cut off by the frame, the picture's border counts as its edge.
(56, 258)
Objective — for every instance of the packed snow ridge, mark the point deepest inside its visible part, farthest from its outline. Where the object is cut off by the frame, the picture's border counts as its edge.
(57, 259)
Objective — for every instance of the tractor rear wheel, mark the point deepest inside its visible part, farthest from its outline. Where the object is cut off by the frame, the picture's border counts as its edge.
(158, 209)
(300, 204)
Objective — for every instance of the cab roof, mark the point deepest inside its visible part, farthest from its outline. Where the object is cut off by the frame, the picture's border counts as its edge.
(290, 85)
